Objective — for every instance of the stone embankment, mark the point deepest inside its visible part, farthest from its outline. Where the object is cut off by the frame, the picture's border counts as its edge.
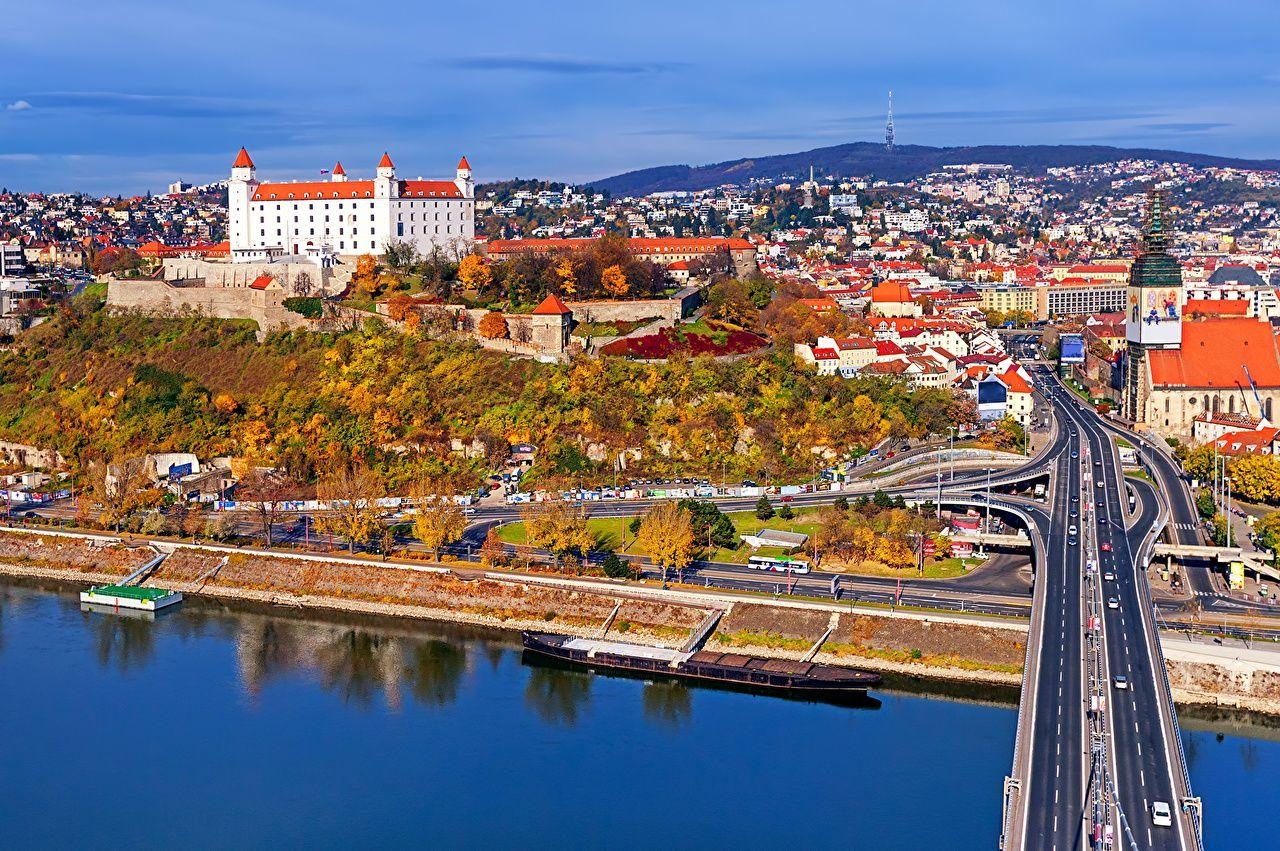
(916, 644)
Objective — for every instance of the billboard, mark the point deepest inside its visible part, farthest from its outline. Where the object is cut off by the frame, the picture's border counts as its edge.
(1071, 347)
(1154, 316)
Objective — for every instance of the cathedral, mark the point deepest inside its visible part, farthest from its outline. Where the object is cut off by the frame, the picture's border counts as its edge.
(1179, 368)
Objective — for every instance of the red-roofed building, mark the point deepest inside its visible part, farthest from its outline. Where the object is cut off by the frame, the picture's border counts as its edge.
(665, 250)
(894, 298)
(1225, 364)
(346, 217)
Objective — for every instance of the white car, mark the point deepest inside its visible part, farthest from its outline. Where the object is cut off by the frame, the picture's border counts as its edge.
(1160, 815)
(1109, 576)
(1113, 603)
(1120, 681)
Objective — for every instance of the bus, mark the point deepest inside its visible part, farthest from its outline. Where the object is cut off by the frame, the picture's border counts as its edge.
(794, 565)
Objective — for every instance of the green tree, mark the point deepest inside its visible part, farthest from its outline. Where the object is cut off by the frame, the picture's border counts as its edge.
(1205, 504)
(707, 518)
(616, 567)
(1268, 531)
(1199, 462)
(764, 508)
(841, 503)
(786, 512)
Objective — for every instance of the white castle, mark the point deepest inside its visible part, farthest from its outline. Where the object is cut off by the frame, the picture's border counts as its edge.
(322, 218)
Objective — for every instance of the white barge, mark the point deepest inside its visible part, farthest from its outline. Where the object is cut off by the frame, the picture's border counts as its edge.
(130, 597)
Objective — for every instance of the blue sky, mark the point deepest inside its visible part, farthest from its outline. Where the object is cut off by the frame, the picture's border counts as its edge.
(127, 95)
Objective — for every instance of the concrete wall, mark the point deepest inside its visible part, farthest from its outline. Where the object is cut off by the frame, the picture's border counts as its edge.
(163, 297)
(673, 309)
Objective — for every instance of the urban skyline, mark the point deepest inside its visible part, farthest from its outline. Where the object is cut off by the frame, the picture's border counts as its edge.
(572, 97)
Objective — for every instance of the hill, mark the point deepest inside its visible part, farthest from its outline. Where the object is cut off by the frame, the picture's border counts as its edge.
(870, 159)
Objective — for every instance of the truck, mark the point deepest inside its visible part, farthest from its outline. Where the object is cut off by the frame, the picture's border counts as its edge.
(1038, 492)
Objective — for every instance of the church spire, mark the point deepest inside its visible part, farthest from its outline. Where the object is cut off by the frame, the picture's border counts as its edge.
(1155, 235)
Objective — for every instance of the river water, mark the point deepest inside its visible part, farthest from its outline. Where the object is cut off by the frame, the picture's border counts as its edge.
(214, 727)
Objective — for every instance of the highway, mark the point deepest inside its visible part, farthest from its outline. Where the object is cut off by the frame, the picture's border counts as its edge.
(1053, 783)
(1143, 745)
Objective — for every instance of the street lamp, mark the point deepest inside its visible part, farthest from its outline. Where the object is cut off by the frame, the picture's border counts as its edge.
(1226, 514)
(952, 452)
(988, 523)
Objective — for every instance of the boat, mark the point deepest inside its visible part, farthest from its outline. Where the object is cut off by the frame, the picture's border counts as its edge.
(780, 676)
(130, 597)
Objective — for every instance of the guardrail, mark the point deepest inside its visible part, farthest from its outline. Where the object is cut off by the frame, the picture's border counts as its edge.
(1144, 588)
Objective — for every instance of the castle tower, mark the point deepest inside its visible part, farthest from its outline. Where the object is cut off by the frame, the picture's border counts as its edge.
(1155, 301)
(240, 189)
(384, 181)
(339, 174)
(465, 184)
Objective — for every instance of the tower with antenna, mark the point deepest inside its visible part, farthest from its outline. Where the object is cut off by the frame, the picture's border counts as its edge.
(888, 126)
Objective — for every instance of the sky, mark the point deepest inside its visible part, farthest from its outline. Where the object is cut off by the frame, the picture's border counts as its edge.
(129, 95)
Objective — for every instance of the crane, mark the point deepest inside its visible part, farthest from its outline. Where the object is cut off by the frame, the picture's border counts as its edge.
(1253, 385)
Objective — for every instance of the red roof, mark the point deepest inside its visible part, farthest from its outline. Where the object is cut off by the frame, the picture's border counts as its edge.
(326, 189)
(1015, 382)
(338, 169)
(638, 245)
(386, 162)
(885, 348)
(551, 306)
(261, 282)
(1217, 306)
(891, 292)
(463, 165)
(1214, 352)
(826, 354)
(242, 160)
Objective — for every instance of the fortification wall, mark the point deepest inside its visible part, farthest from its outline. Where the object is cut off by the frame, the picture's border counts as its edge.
(162, 297)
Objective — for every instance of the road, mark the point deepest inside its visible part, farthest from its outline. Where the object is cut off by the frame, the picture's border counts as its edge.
(1144, 746)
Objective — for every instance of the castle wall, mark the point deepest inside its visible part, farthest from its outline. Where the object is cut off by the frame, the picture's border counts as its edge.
(220, 302)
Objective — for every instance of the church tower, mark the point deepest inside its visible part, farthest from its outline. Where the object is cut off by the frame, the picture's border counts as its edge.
(1155, 301)
(466, 185)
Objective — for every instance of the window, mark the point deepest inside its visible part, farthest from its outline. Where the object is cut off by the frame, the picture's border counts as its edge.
(399, 228)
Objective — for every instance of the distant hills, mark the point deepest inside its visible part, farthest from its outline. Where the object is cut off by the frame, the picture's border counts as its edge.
(870, 159)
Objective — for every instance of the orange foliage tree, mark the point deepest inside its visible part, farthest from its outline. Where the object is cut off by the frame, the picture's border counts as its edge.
(493, 326)
(614, 281)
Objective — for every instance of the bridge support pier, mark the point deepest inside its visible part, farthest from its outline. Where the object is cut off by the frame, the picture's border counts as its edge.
(1011, 786)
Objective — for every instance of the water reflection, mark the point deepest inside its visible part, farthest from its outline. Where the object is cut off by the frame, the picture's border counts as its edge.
(667, 704)
(435, 671)
(123, 643)
(558, 695)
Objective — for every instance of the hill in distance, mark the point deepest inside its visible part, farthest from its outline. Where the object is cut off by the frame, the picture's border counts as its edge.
(870, 159)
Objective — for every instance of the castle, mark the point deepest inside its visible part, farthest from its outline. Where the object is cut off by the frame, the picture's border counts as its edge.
(343, 217)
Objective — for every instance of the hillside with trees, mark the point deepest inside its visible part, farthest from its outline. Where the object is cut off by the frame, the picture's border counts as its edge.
(99, 388)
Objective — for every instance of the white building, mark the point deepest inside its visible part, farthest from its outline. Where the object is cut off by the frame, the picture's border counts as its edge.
(347, 217)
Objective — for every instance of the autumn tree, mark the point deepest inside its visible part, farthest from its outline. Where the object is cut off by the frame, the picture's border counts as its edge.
(437, 521)
(493, 325)
(567, 277)
(302, 284)
(614, 281)
(225, 404)
(122, 487)
(400, 307)
(1199, 462)
(1256, 478)
(266, 491)
(493, 551)
(666, 534)
(558, 526)
(366, 277)
(1268, 531)
(352, 491)
(474, 273)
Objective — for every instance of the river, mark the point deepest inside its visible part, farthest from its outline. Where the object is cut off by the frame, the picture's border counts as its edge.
(212, 726)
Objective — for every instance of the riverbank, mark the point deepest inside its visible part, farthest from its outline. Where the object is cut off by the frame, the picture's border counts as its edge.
(914, 645)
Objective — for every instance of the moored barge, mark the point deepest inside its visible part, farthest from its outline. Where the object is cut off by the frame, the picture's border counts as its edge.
(782, 676)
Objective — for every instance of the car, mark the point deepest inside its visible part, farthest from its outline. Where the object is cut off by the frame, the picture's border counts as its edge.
(1098, 462)
(1160, 814)
(1071, 542)
(1108, 576)
(1106, 547)
(1113, 603)
(1120, 681)
(1075, 513)
(1099, 483)
(1075, 454)
(1072, 530)
(1075, 498)
(1102, 521)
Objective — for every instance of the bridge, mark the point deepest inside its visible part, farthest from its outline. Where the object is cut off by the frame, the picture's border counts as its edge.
(1091, 758)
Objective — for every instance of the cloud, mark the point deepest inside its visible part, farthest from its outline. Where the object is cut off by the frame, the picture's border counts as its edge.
(560, 65)
(17, 106)
(18, 158)
(1188, 126)
(150, 105)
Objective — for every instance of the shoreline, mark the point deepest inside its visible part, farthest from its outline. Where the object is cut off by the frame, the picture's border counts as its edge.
(571, 606)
